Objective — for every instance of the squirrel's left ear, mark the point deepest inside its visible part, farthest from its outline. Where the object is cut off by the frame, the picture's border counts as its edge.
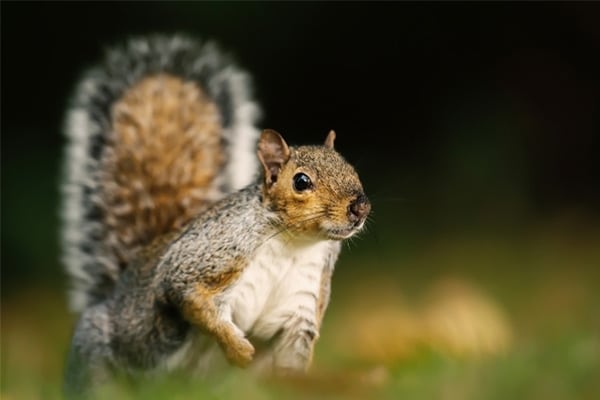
(273, 152)
(330, 139)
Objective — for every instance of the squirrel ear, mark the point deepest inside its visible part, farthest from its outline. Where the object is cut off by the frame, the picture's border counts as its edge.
(273, 152)
(330, 139)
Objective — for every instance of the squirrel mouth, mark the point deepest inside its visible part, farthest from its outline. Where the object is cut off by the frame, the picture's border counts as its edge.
(345, 232)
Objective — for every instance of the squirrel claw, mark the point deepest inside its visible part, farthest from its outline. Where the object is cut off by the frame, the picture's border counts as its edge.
(240, 353)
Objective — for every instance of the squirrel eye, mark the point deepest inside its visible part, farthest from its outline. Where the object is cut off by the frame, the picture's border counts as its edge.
(302, 182)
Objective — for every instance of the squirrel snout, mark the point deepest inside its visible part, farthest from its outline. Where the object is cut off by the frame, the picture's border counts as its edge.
(359, 208)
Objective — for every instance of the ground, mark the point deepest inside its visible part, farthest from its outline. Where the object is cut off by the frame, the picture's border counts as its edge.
(462, 317)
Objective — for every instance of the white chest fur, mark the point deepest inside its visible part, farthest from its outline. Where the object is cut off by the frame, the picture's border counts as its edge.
(280, 285)
(283, 280)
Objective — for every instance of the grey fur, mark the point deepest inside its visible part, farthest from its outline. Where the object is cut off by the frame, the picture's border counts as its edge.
(140, 324)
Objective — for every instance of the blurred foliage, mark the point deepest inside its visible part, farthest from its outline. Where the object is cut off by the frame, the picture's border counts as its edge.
(475, 129)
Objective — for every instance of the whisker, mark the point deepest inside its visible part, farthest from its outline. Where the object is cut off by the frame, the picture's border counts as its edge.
(309, 217)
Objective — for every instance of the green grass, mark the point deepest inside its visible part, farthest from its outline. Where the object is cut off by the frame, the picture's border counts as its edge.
(562, 368)
(541, 288)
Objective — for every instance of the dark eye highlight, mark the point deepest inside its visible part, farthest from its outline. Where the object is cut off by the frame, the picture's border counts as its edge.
(302, 182)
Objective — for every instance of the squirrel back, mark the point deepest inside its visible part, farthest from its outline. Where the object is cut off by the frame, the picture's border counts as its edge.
(163, 128)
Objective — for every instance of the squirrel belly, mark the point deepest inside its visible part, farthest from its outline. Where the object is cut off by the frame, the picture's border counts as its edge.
(282, 286)
(283, 280)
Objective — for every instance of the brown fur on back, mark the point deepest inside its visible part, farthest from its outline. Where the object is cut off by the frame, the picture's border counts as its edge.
(166, 150)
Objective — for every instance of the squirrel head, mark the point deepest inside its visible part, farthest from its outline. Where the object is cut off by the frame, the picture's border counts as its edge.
(312, 188)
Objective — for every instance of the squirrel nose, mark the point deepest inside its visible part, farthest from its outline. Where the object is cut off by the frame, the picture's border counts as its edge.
(359, 208)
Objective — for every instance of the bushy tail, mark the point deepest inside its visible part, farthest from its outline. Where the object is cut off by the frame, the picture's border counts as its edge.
(163, 127)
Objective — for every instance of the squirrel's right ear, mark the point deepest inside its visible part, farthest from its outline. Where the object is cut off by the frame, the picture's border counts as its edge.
(273, 152)
(330, 139)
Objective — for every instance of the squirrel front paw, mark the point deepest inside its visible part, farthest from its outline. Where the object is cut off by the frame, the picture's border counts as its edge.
(239, 351)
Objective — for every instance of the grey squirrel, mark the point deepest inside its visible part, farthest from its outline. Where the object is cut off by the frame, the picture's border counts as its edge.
(181, 254)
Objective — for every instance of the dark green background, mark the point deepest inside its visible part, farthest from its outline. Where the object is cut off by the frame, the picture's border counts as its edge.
(475, 128)
(460, 117)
